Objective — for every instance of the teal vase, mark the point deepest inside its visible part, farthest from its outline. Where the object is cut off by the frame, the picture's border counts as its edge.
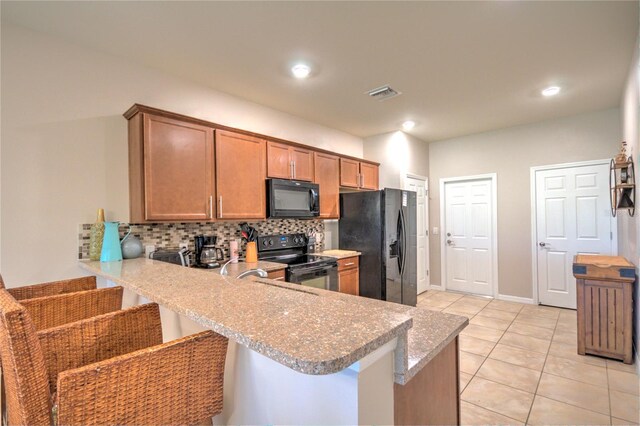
(111, 250)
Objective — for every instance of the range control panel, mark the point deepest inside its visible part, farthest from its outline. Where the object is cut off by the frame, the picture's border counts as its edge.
(279, 242)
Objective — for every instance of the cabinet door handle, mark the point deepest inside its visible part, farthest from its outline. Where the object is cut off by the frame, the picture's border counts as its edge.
(361, 181)
(291, 169)
(294, 169)
(211, 206)
(358, 180)
(220, 207)
(349, 264)
(279, 279)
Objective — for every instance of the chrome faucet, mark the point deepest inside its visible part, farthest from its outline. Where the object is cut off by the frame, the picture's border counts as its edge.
(223, 270)
(256, 272)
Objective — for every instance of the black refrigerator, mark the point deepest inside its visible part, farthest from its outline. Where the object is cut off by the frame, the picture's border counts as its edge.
(382, 226)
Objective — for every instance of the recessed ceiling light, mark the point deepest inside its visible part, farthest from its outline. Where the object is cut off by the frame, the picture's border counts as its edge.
(408, 125)
(300, 71)
(551, 91)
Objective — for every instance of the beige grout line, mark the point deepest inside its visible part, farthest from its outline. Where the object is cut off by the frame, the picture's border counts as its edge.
(496, 412)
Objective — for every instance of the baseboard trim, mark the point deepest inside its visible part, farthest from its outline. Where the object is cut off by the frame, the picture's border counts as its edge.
(435, 287)
(518, 299)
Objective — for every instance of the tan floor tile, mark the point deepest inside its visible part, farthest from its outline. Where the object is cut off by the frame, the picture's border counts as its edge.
(564, 326)
(496, 323)
(517, 356)
(479, 302)
(525, 342)
(565, 350)
(429, 308)
(484, 333)
(499, 398)
(576, 393)
(472, 415)
(568, 315)
(470, 363)
(546, 411)
(619, 365)
(464, 380)
(531, 330)
(502, 305)
(496, 313)
(576, 370)
(458, 312)
(537, 321)
(623, 382)
(508, 374)
(541, 311)
(434, 303)
(565, 336)
(442, 295)
(625, 406)
(462, 306)
(475, 345)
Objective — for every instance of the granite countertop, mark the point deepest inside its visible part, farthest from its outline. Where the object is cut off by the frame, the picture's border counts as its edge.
(339, 254)
(310, 330)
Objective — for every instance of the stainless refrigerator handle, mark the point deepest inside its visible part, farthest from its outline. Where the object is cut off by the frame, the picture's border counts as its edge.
(398, 242)
(404, 241)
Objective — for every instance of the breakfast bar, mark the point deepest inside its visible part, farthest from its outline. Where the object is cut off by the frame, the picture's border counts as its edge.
(297, 354)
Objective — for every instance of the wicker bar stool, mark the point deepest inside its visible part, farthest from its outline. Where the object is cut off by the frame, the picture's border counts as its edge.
(51, 288)
(110, 369)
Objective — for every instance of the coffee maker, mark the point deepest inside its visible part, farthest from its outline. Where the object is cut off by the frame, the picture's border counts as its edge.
(203, 242)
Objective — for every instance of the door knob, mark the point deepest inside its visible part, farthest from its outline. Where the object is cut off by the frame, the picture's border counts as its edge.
(542, 244)
(448, 234)
(449, 242)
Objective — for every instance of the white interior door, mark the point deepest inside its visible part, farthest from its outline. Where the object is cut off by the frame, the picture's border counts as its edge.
(422, 229)
(572, 217)
(468, 232)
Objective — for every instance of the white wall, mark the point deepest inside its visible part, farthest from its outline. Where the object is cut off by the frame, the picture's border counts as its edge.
(511, 153)
(628, 227)
(398, 154)
(64, 143)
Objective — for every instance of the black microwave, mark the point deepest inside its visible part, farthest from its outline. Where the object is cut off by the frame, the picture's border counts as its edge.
(292, 199)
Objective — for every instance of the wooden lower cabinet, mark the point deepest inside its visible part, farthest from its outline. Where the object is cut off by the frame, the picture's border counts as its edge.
(431, 397)
(349, 275)
(276, 275)
(240, 176)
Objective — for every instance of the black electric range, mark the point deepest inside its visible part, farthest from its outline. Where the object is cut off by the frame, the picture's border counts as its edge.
(303, 267)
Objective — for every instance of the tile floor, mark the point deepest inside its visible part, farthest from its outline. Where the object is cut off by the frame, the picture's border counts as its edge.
(519, 366)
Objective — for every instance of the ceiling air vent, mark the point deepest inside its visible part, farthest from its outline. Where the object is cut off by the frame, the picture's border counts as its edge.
(383, 93)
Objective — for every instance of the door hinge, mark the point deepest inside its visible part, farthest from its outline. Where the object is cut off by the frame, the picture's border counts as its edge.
(426, 232)
(427, 272)
(611, 235)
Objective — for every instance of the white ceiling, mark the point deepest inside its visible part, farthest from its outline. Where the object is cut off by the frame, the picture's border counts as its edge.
(463, 67)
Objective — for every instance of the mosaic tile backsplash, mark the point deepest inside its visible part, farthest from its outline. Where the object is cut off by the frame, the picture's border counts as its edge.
(170, 235)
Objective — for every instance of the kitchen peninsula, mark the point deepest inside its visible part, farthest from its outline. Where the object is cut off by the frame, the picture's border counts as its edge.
(304, 355)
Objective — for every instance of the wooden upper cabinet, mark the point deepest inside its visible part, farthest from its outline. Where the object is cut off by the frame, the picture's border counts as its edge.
(358, 174)
(349, 173)
(327, 176)
(162, 187)
(289, 162)
(240, 176)
(302, 163)
(369, 176)
(278, 162)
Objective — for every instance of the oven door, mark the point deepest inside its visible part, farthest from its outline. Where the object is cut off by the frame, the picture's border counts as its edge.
(324, 277)
(291, 199)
